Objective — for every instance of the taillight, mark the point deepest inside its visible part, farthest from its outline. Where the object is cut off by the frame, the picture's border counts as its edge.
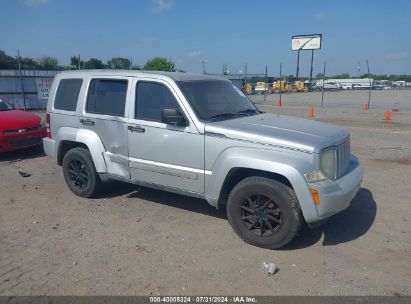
(48, 125)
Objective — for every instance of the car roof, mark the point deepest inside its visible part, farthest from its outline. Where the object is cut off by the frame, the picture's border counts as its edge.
(176, 76)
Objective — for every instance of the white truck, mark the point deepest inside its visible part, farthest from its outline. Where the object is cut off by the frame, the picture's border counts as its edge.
(345, 84)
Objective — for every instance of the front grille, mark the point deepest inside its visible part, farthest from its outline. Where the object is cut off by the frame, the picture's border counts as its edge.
(342, 158)
(21, 130)
(25, 142)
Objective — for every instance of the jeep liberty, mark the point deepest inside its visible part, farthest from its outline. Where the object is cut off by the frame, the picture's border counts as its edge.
(199, 135)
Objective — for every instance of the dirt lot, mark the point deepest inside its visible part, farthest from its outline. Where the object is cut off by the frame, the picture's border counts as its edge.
(137, 241)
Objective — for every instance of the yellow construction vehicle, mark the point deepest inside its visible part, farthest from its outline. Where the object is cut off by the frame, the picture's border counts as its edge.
(280, 85)
(299, 86)
(248, 89)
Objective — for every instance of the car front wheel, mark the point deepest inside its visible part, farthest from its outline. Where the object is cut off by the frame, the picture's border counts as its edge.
(264, 212)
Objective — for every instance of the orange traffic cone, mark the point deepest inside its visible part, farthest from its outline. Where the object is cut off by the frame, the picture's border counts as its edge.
(387, 115)
(279, 103)
(311, 113)
(365, 106)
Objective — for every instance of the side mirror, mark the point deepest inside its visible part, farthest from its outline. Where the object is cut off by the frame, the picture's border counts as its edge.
(173, 117)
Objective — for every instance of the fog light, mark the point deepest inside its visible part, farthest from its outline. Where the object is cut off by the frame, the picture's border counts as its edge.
(315, 176)
(315, 195)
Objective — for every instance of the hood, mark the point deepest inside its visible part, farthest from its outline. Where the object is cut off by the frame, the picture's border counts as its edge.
(15, 119)
(281, 130)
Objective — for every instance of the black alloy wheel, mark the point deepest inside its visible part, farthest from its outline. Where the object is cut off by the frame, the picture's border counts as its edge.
(264, 212)
(261, 215)
(78, 174)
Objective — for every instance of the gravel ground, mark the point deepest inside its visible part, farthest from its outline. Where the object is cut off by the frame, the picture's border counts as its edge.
(138, 241)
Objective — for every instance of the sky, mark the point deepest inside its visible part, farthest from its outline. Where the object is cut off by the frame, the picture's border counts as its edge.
(234, 32)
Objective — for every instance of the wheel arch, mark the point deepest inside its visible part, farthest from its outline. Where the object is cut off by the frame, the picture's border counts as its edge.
(65, 146)
(237, 174)
(286, 167)
(68, 138)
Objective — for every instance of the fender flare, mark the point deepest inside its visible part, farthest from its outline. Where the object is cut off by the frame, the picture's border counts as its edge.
(281, 162)
(88, 138)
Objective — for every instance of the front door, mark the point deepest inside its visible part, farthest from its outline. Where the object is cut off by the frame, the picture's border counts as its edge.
(159, 153)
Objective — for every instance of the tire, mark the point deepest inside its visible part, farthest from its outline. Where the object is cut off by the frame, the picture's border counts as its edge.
(282, 212)
(80, 173)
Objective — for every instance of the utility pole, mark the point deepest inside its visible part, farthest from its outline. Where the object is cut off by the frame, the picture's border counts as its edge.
(131, 62)
(311, 68)
(265, 86)
(21, 80)
(245, 73)
(281, 88)
(204, 69)
(298, 64)
(79, 62)
(369, 80)
(322, 87)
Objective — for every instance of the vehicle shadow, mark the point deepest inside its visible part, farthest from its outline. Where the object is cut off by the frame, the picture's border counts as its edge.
(16, 156)
(114, 188)
(343, 227)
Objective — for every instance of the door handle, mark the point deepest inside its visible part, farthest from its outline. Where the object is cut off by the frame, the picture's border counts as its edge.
(136, 129)
(87, 122)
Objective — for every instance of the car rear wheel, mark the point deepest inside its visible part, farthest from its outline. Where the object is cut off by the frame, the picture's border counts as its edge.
(80, 173)
(264, 212)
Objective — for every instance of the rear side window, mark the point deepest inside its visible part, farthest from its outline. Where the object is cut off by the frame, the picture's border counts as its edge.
(67, 94)
(151, 97)
(107, 96)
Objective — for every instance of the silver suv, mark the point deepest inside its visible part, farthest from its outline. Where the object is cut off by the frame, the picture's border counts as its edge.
(201, 136)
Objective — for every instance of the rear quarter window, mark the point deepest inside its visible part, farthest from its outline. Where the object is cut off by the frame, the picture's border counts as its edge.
(67, 94)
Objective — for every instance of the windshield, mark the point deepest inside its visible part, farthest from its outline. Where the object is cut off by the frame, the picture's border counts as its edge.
(4, 106)
(217, 99)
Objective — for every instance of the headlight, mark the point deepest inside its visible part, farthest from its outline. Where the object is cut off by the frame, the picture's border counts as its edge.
(327, 163)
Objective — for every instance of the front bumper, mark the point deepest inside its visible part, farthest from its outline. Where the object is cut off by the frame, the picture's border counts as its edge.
(336, 195)
(24, 140)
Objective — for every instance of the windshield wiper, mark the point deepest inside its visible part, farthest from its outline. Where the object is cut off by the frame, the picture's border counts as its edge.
(228, 114)
(249, 111)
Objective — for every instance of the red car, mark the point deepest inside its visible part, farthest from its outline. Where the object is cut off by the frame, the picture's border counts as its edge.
(19, 129)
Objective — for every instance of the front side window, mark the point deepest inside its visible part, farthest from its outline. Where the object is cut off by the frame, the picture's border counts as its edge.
(151, 98)
(217, 99)
(107, 97)
(67, 94)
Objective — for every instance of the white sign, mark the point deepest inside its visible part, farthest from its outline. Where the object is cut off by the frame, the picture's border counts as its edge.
(306, 42)
(43, 87)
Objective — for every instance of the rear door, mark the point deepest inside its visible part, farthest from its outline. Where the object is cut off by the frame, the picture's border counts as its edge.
(104, 113)
(159, 153)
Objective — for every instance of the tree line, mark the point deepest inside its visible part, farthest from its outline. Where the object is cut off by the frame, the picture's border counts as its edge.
(155, 64)
(51, 63)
